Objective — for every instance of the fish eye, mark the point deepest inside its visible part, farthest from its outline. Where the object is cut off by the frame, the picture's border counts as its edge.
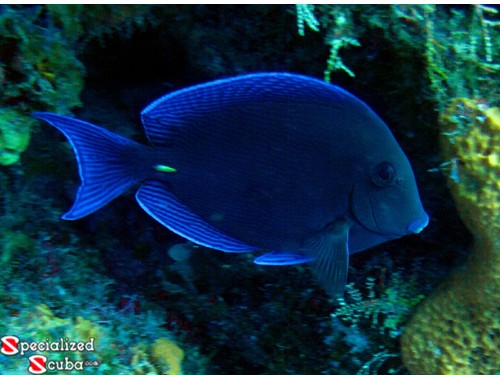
(384, 174)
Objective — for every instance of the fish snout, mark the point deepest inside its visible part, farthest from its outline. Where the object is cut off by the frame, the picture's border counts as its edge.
(419, 224)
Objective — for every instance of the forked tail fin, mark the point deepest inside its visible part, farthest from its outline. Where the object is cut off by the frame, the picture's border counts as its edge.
(104, 163)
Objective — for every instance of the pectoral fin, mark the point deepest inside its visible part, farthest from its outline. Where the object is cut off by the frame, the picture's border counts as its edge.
(330, 251)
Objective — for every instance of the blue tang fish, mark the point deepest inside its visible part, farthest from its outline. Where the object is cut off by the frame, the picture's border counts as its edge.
(271, 161)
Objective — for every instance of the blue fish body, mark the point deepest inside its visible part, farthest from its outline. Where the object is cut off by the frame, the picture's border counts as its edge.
(269, 161)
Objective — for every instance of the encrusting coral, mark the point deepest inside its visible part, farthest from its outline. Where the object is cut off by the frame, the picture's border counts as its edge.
(39, 66)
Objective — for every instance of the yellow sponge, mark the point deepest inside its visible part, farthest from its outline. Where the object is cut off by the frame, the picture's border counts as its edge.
(456, 330)
(167, 355)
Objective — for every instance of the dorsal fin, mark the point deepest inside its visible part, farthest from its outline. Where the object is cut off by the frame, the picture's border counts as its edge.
(180, 108)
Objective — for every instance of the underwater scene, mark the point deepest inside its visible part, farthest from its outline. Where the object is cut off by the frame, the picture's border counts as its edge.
(250, 189)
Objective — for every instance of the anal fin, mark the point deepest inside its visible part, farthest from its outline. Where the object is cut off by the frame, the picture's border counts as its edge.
(166, 208)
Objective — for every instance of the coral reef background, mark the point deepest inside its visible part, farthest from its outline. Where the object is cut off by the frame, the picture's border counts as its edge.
(154, 303)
